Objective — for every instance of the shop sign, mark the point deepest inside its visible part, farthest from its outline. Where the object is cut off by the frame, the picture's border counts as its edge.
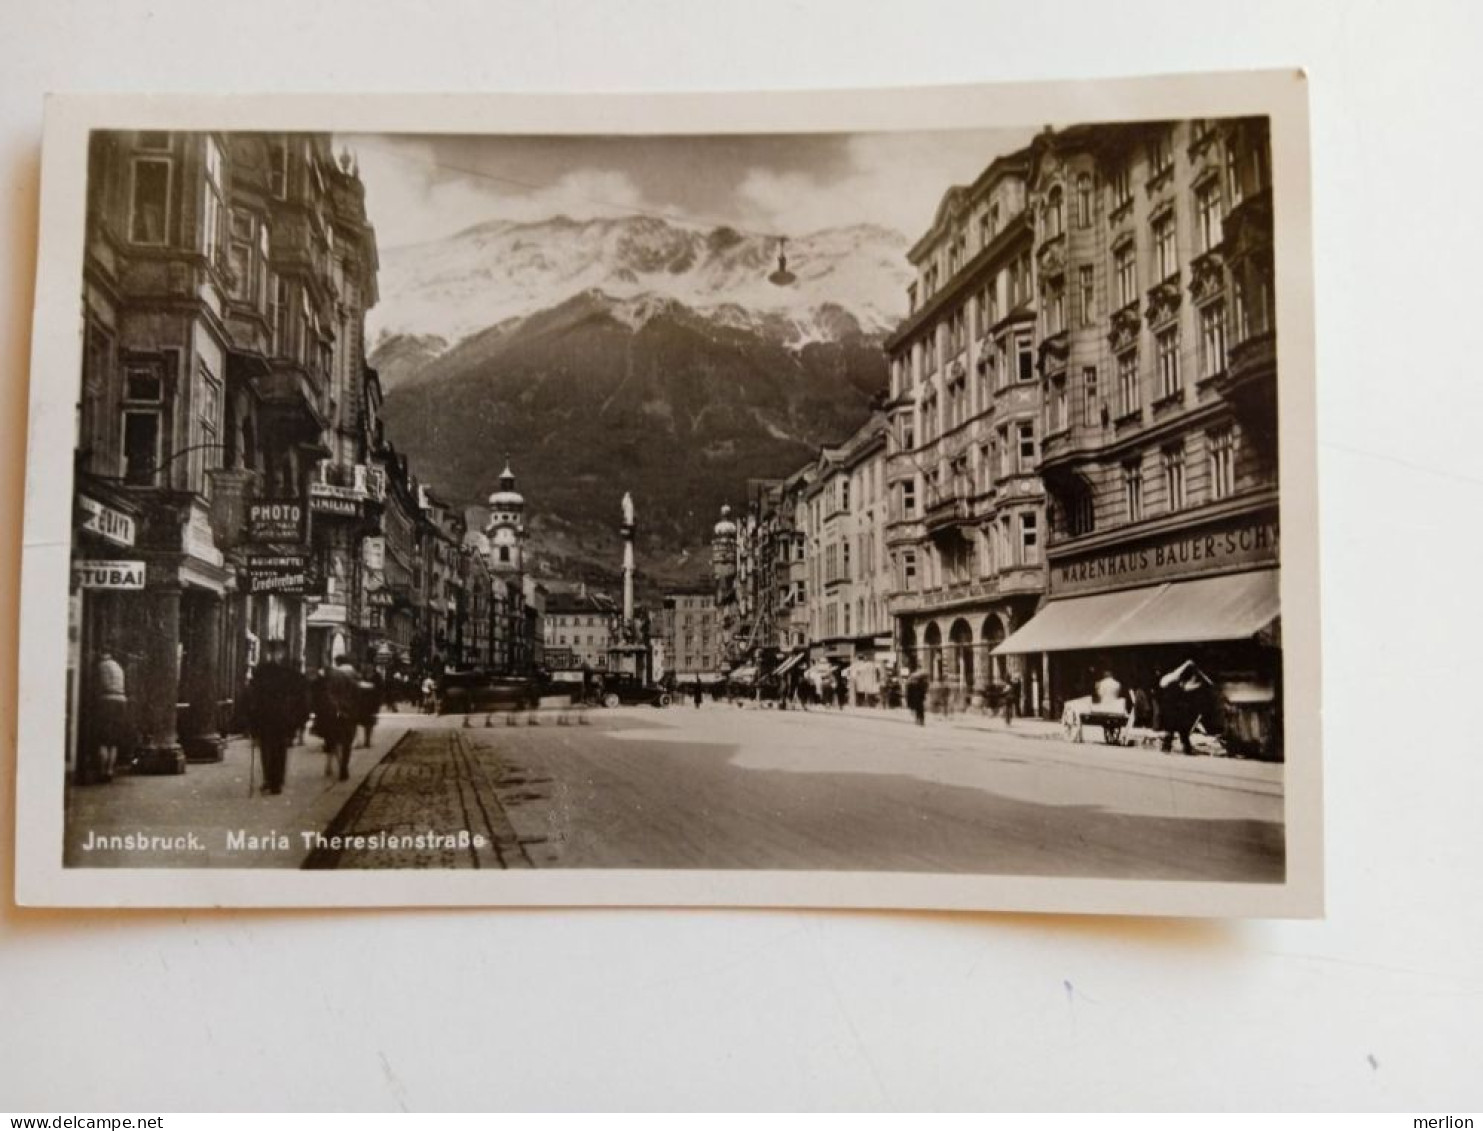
(380, 598)
(285, 574)
(373, 553)
(277, 520)
(107, 523)
(108, 575)
(1247, 544)
(327, 614)
(325, 498)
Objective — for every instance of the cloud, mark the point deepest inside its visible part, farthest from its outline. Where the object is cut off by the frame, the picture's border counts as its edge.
(893, 179)
(414, 196)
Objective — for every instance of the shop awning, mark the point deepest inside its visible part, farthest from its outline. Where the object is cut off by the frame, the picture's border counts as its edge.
(744, 674)
(1233, 607)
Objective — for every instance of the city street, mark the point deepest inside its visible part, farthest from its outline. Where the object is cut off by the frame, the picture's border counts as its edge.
(727, 787)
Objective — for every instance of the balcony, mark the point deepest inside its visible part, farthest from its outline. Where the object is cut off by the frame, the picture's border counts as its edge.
(1054, 351)
(1207, 277)
(945, 514)
(1163, 301)
(1125, 327)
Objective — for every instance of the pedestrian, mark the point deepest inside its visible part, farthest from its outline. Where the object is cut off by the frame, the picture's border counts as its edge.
(369, 702)
(341, 711)
(277, 705)
(697, 694)
(1010, 700)
(841, 690)
(1179, 694)
(429, 696)
(110, 718)
(916, 694)
(1108, 692)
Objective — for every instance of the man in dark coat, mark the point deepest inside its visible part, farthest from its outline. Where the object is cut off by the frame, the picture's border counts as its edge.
(277, 705)
(1180, 693)
(341, 709)
(916, 695)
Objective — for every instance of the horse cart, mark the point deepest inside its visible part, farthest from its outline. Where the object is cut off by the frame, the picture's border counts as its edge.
(1114, 717)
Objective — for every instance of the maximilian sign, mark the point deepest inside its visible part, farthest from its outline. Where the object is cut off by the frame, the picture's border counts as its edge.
(287, 574)
(108, 575)
(326, 498)
(1250, 543)
(277, 520)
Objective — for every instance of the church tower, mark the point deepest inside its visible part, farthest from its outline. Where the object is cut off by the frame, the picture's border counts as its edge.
(506, 529)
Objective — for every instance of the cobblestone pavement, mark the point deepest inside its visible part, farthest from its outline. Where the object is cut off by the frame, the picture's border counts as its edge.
(437, 800)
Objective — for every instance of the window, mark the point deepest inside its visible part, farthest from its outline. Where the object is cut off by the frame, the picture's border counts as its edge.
(1165, 254)
(1121, 188)
(844, 494)
(141, 446)
(1171, 380)
(1129, 398)
(213, 226)
(993, 220)
(1090, 406)
(1019, 281)
(844, 564)
(1029, 539)
(504, 553)
(1084, 200)
(1160, 155)
(1055, 213)
(1081, 514)
(142, 425)
(1212, 339)
(1222, 447)
(1133, 491)
(908, 498)
(278, 313)
(1125, 267)
(1025, 351)
(278, 168)
(1025, 430)
(1173, 465)
(149, 210)
(1207, 216)
(846, 620)
(1055, 309)
(908, 434)
(1087, 294)
(208, 430)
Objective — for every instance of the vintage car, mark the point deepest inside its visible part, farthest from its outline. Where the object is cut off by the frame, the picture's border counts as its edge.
(625, 691)
(460, 693)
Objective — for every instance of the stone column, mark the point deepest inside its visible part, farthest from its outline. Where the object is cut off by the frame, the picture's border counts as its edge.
(154, 689)
(199, 677)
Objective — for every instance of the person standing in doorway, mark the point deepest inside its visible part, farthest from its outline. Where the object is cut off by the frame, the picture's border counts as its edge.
(111, 717)
(277, 705)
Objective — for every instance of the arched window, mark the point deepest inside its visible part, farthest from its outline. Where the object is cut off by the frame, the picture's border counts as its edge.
(1054, 213)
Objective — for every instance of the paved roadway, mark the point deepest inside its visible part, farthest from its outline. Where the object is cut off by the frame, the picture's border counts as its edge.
(725, 787)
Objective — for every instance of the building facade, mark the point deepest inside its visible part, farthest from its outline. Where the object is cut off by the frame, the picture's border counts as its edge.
(1157, 355)
(966, 519)
(579, 630)
(226, 278)
(689, 625)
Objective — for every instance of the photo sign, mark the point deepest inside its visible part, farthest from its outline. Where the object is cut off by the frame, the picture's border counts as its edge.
(277, 520)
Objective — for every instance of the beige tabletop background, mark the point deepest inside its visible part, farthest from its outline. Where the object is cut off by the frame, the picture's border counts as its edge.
(1374, 1007)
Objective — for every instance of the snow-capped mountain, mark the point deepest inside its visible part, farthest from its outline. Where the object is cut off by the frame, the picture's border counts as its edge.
(502, 270)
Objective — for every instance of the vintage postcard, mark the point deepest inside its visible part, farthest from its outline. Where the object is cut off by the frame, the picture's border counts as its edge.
(897, 498)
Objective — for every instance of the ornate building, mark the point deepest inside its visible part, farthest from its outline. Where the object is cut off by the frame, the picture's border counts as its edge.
(966, 514)
(1157, 356)
(226, 279)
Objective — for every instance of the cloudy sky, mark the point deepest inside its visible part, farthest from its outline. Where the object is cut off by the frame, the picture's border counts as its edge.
(423, 187)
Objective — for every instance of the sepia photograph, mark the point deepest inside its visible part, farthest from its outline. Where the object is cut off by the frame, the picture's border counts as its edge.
(830, 501)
